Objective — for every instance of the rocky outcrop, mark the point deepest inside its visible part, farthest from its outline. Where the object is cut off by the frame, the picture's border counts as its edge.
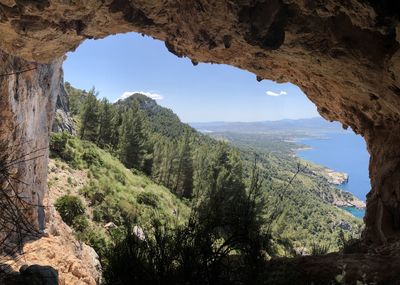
(333, 177)
(353, 202)
(74, 262)
(343, 54)
(63, 121)
(336, 178)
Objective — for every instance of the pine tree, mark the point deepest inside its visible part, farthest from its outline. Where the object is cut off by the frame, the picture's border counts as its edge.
(132, 139)
(89, 117)
(156, 171)
(116, 123)
(169, 163)
(184, 176)
(201, 169)
(104, 136)
(225, 189)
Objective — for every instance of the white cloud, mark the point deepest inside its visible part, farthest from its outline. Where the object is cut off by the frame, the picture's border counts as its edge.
(274, 94)
(152, 95)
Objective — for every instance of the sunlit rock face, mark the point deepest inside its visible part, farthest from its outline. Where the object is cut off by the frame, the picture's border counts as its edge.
(343, 54)
(27, 100)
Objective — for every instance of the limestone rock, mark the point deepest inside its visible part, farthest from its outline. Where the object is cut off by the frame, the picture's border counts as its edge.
(110, 226)
(63, 121)
(75, 262)
(8, 3)
(27, 100)
(337, 178)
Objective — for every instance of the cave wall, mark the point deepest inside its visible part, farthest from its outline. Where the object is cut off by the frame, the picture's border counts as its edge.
(28, 93)
(343, 54)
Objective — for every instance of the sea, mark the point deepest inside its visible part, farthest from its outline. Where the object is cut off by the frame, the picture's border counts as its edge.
(343, 152)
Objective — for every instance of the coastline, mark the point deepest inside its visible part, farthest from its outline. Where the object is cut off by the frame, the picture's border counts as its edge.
(355, 203)
(348, 201)
(356, 212)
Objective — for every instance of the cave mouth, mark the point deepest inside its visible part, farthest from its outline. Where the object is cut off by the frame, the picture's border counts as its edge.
(204, 91)
(326, 56)
(320, 47)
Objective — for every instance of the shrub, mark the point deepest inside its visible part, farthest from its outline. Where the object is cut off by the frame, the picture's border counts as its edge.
(148, 198)
(95, 239)
(97, 215)
(120, 178)
(58, 142)
(134, 261)
(91, 157)
(80, 223)
(59, 146)
(129, 211)
(319, 249)
(69, 208)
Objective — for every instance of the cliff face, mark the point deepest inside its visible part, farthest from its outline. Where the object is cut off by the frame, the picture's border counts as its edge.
(28, 95)
(27, 100)
(343, 54)
(63, 121)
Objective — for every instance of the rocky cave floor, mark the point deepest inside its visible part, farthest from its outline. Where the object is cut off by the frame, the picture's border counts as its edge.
(360, 264)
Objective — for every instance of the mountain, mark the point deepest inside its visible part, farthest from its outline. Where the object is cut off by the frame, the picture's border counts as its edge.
(300, 127)
(161, 120)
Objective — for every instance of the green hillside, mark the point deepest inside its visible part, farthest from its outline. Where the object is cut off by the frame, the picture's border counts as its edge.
(145, 168)
(113, 193)
(303, 198)
(161, 120)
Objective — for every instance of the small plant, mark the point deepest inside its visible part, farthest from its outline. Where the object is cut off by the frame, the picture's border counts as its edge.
(319, 249)
(148, 199)
(59, 146)
(120, 178)
(91, 157)
(58, 143)
(69, 208)
(94, 238)
(69, 180)
(80, 223)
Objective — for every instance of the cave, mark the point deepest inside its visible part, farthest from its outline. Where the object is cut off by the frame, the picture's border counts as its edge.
(344, 55)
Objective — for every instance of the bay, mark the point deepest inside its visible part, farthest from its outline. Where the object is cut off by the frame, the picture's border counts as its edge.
(343, 152)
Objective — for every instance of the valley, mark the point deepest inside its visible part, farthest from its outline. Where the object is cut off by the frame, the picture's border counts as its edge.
(132, 169)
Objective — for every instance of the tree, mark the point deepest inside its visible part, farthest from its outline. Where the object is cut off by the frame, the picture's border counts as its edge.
(225, 191)
(164, 161)
(76, 98)
(105, 131)
(132, 139)
(89, 117)
(116, 123)
(184, 177)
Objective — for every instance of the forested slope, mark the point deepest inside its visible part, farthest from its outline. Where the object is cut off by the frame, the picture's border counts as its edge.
(297, 202)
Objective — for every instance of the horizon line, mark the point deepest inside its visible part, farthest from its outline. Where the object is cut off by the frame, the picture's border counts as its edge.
(260, 121)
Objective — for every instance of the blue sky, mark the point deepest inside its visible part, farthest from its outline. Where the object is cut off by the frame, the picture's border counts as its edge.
(126, 63)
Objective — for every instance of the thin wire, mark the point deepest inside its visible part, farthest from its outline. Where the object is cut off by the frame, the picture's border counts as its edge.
(17, 72)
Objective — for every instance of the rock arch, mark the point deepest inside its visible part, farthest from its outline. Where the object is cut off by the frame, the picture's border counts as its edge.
(343, 54)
